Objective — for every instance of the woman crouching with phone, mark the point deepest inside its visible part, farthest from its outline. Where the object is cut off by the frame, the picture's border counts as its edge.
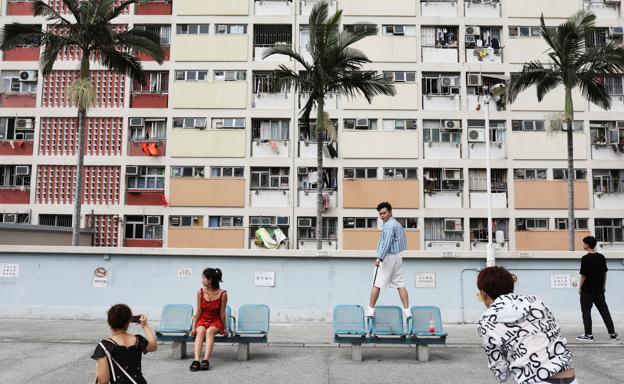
(209, 319)
(118, 359)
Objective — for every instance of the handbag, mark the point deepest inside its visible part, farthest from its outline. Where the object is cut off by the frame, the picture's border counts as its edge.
(112, 367)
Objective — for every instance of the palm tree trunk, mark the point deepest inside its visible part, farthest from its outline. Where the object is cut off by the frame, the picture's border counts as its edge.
(78, 187)
(569, 116)
(320, 127)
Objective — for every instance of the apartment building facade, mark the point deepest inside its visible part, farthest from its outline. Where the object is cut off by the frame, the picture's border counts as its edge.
(208, 150)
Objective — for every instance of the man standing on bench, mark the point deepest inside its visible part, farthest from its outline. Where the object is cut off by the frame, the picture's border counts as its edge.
(389, 262)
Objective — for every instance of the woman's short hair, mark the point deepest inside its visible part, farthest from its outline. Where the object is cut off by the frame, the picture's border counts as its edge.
(495, 281)
(119, 316)
(214, 275)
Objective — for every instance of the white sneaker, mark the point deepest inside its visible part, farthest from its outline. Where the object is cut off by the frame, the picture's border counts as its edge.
(369, 312)
(407, 313)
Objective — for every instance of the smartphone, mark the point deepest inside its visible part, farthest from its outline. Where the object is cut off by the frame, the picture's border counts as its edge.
(135, 319)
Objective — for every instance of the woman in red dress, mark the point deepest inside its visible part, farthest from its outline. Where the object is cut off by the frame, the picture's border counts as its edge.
(209, 319)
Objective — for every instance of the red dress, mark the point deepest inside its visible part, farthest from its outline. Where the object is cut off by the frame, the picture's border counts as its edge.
(211, 313)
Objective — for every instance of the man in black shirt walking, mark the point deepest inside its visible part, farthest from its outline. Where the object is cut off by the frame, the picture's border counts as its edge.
(592, 289)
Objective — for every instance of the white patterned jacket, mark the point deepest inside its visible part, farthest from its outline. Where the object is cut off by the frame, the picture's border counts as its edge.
(521, 338)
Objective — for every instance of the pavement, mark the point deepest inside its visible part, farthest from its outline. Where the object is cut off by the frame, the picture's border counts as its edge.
(58, 351)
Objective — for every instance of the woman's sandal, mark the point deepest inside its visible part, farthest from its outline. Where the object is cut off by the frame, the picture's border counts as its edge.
(195, 366)
(204, 365)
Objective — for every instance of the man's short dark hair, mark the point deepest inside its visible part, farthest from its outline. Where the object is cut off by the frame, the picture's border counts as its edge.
(495, 281)
(384, 204)
(590, 241)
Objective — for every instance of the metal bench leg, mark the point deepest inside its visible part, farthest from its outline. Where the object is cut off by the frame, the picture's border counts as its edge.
(422, 353)
(356, 352)
(178, 350)
(243, 351)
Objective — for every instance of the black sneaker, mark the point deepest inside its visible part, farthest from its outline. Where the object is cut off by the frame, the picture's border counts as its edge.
(585, 337)
(614, 336)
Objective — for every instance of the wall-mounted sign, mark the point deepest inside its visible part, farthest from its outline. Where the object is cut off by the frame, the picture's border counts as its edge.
(264, 279)
(100, 277)
(9, 270)
(560, 280)
(184, 272)
(425, 279)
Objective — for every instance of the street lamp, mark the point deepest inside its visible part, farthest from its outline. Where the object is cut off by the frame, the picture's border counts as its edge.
(497, 92)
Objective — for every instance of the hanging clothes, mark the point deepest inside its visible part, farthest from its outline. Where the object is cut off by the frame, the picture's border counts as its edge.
(325, 200)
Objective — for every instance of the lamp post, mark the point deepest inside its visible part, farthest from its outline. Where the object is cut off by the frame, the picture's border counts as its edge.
(497, 91)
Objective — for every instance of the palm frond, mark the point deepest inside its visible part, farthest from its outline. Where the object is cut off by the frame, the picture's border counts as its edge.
(118, 10)
(362, 83)
(73, 6)
(42, 9)
(286, 50)
(532, 73)
(120, 62)
(141, 41)
(53, 44)
(15, 34)
(592, 88)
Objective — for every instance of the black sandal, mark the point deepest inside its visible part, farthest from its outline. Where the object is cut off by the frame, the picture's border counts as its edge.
(204, 365)
(195, 366)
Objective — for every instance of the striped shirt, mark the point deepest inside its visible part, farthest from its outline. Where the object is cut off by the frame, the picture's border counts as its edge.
(392, 240)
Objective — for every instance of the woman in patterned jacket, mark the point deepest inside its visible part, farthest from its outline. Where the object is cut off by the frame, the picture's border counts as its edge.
(520, 335)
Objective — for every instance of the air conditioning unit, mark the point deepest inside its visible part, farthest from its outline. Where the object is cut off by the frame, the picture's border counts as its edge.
(254, 220)
(230, 76)
(476, 135)
(471, 39)
(302, 171)
(304, 222)
(361, 122)
(199, 123)
(620, 125)
(452, 225)
(22, 170)
(616, 31)
(451, 124)
(136, 121)
(475, 80)
(411, 124)
(473, 30)
(28, 75)
(452, 174)
(175, 221)
(448, 81)
(399, 77)
(10, 217)
(152, 220)
(221, 28)
(132, 170)
(24, 123)
(283, 220)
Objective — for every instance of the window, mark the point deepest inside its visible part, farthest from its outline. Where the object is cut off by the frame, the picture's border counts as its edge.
(399, 30)
(17, 128)
(400, 173)
(11, 82)
(408, 222)
(267, 35)
(477, 180)
(400, 76)
(614, 85)
(269, 178)
(562, 223)
(143, 227)
(189, 122)
(229, 123)
(608, 181)
(225, 221)
(360, 123)
(226, 171)
(399, 124)
(186, 221)
(440, 84)
(178, 171)
(264, 82)
(484, 37)
(192, 29)
(597, 38)
(529, 174)
(444, 229)
(155, 82)
(191, 75)
(562, 174)
(309, 133)
(270, 129)
(270, 223)
(440, 36)
(525, 32)
(531, 224)
(221, 75)
(479, 229)
(606, 132)
(12, 176)
(435, 132)
(360, 27)
(497, 129)
(443, 179)
(163, 31)
(152, 129)
(360, 173)
(306, 228)
(15, 218)
(230, 29)
(308, 178)
(609, 230)
(56, 220)
(359, 222)
(147, 178)
(556, 125)
(527, 125)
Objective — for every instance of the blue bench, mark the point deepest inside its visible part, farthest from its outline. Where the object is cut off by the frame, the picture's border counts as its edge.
(252, 327)
(387, 327)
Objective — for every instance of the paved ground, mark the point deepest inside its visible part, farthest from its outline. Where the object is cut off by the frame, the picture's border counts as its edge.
(42, 352)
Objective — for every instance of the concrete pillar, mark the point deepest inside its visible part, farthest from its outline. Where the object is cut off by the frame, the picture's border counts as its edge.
(422, 353)
(243, 351)
(356, 352)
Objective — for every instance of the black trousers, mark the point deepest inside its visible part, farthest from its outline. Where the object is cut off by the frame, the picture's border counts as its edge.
(587, 301)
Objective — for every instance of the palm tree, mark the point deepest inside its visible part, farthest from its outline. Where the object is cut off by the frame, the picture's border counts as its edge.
(94, 34)
(572, 65)
(336, 68)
